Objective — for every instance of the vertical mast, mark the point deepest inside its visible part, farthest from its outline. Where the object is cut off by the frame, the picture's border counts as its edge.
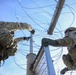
(31, 43)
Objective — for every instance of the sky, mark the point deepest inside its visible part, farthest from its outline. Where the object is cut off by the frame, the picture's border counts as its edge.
(37, 13)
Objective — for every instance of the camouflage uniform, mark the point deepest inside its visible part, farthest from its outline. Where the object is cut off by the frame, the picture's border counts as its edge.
(68, 41)
(8, 45)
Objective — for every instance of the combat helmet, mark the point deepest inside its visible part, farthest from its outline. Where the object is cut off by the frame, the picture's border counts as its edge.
(70, 29)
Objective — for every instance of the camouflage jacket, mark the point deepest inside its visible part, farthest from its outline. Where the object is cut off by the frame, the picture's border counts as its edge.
(13, 26)
(69, 41)
(5, 31)
(8, 45)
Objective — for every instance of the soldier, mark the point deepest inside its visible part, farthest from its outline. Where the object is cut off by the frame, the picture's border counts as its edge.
(68, 41)
(8, 44)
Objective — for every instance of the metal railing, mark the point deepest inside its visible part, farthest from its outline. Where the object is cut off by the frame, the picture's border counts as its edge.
(43, 64)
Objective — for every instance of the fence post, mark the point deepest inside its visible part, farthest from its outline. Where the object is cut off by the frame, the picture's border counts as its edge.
(30, 59)
(51, 70)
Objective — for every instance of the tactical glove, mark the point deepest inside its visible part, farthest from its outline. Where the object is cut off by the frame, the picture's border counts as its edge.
(63, 71)
(26, 38)
(33, 31)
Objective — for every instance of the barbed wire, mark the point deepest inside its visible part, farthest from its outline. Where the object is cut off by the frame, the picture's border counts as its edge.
(44, 29)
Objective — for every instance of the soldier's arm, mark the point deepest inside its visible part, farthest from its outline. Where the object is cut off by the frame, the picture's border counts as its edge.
(65, 42)
(13, 26)
(21, 39)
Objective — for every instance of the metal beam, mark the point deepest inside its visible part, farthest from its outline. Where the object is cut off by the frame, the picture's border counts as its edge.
(50, 66)
(56, 16)
(31, 43)
(37, 59)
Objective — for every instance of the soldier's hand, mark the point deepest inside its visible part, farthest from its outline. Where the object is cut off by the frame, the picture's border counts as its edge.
(33, 31)
(26, 38)
(45, 42)
(12, 32)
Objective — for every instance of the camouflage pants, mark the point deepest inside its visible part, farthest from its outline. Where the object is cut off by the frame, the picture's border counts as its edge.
(72, 53)
(70, 59)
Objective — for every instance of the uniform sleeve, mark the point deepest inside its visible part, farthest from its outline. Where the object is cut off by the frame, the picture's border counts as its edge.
(13, 26)
(66, 42)
(21, 39)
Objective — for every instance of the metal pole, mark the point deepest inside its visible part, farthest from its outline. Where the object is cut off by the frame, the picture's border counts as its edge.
(50, 66)
(30, 58)
(31, 43)
(38, 57)
(56, 16)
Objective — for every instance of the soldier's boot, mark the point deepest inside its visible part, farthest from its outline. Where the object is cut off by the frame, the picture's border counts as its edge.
(64, 70)
(68, 61)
